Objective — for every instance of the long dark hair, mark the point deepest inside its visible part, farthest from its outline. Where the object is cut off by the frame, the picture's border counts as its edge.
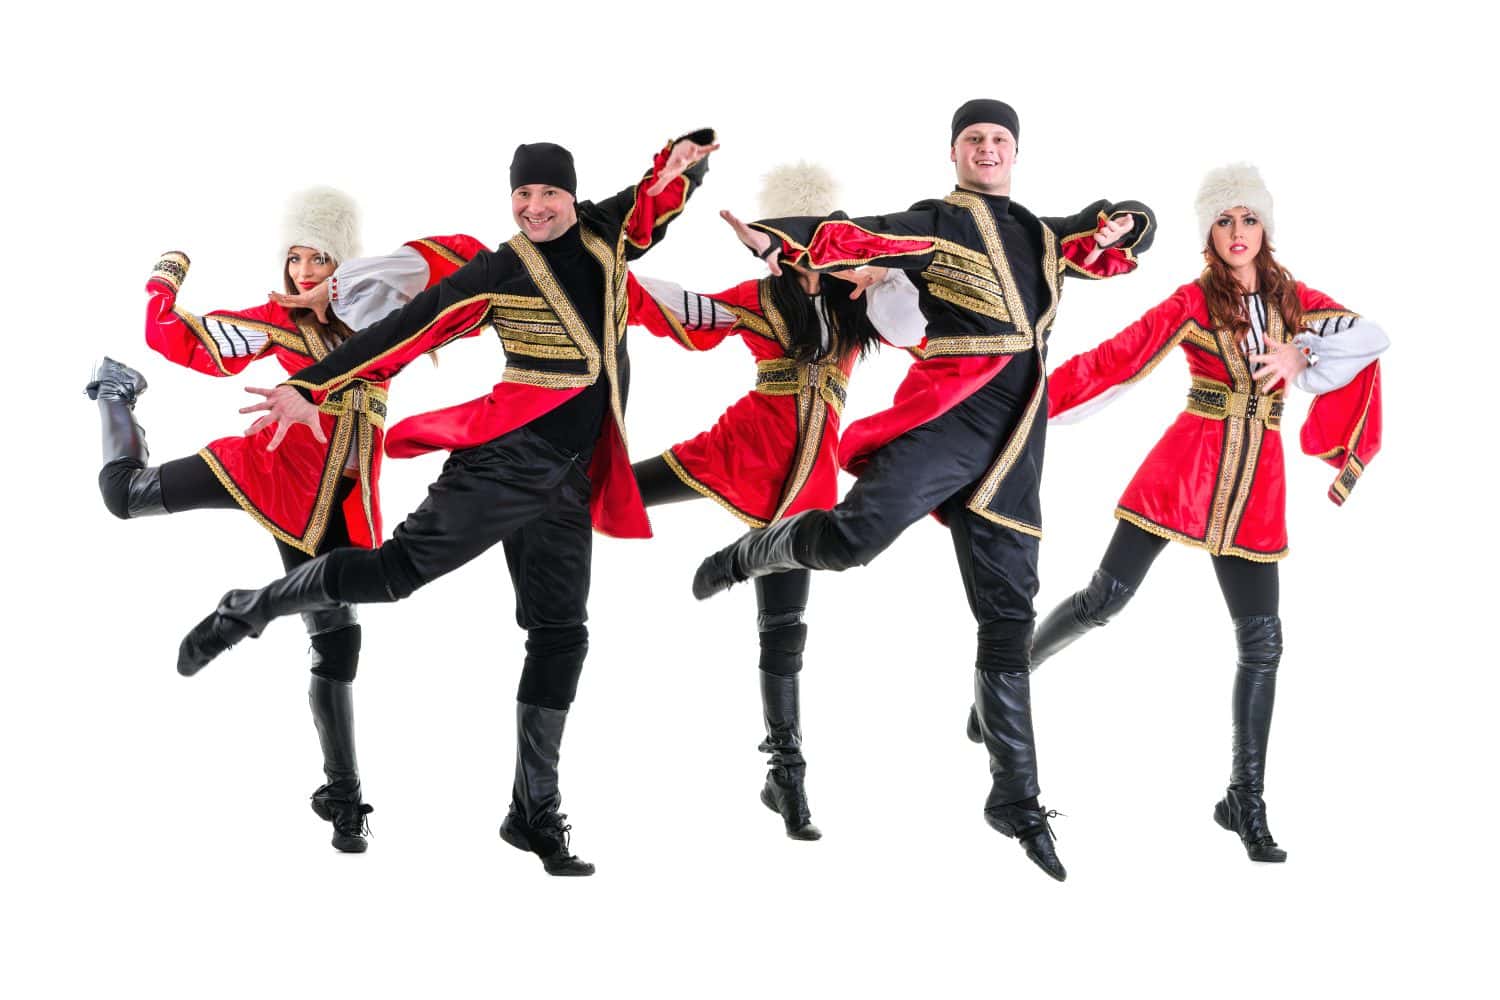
(848, 320)
(333, 333)
(1226, 305)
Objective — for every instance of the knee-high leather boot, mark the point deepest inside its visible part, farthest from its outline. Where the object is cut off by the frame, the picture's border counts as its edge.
(784, 791)
(1243, 808)
(338, 801)
(533, 822)
(1003, 699)
(785, 545)
(129, 488)
(244, 613)
(335, 639)
(1090, 608)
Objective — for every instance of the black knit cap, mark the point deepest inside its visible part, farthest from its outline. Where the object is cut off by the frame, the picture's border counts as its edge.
(543, 163)
(982, 110)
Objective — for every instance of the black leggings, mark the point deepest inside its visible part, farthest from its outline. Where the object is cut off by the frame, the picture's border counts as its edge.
(189, 484)
(1249, 588)
(780, 599)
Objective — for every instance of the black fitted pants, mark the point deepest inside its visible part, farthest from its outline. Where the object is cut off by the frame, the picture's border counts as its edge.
(1249, 588)
(780, 598)
(522, 492)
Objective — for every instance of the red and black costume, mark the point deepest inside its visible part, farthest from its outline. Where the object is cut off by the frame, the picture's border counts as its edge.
(964, 436)
(533, 462)
(1215, 481)
(291, 491)
(313, 497)
(772, 454)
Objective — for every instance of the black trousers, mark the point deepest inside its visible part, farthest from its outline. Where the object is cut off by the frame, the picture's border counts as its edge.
(524, 493)
(938, 466)
(1249, 588)
(780, 598)
(189, 484)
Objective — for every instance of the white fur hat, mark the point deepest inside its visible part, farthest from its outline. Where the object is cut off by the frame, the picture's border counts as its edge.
(1235, 186)
(325, 219)
(799, 188)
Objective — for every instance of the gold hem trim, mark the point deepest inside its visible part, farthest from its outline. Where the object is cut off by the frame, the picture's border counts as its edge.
(692, 483)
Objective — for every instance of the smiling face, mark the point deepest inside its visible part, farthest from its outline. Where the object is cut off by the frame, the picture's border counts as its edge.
(1237, 236)
(982, 155)
(542, 211)
(307, 267)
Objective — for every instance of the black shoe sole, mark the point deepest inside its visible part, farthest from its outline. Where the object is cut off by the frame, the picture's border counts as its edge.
(1222, 819)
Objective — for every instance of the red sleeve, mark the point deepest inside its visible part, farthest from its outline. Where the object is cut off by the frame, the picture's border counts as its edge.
(223, 342)
(445, 254)
(1128, 356)
(698, 322)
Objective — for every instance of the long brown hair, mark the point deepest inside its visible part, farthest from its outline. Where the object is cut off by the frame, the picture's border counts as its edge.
(1226, 306)
(334, 332)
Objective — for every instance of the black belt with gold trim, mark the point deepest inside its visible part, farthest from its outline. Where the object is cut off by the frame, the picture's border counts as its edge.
(358, 398)
(1217, 401)
(785, 377)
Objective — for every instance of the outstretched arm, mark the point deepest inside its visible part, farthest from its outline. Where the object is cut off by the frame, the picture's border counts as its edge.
(645, 208)
(903, 240)
(1097, 376)
(696, 321)
(222, 342)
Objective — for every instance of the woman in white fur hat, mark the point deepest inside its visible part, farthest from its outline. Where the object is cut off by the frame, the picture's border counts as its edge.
(1215, 480)
(774, 452)
(316, 492)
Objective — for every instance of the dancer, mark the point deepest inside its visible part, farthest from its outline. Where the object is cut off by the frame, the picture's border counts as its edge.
(312, 496)
(1215, 480)
(531, 461)
(962, 438)
(774, 452)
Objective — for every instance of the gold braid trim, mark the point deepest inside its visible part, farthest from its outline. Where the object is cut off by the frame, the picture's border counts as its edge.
(718, 498)
(172, 268)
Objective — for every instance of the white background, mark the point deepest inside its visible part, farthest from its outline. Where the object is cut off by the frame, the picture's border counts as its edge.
(156, 835)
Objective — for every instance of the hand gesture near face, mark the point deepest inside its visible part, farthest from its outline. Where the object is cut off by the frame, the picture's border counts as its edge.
(315, 298)
(684, 154)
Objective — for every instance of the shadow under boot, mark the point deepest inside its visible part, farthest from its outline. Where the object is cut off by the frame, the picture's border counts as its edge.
(1243, 808)
(244, 613)
(533, 822)
(1003, 699)
(784, 791)
(339, 801)
(128, 487)
(1090, 608)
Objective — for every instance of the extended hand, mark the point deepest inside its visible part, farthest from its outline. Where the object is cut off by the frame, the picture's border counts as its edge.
(863, 278)
(284, 407)
(1281, 361)
(757, 241)
(684, 155)
(315, 298)
(1108, 235)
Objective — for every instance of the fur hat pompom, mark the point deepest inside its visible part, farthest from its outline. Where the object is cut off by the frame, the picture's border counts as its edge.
(1235, 186)
(325, 219)
(799, 188)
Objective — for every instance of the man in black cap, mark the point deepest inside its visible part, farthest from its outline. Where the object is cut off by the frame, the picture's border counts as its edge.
(963, 439)
(532, 463)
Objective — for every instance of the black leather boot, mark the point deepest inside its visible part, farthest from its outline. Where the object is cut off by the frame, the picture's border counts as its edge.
(247, 612)
(1243, 808)
(783, 791)
(129, 488)
(785, 545)
(1003, 699)
(338, 802)
(533, 823)
(1090, 608)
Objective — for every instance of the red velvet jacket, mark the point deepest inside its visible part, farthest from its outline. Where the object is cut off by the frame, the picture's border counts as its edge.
(774, 452)
(288, 491)
(1216, 479)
